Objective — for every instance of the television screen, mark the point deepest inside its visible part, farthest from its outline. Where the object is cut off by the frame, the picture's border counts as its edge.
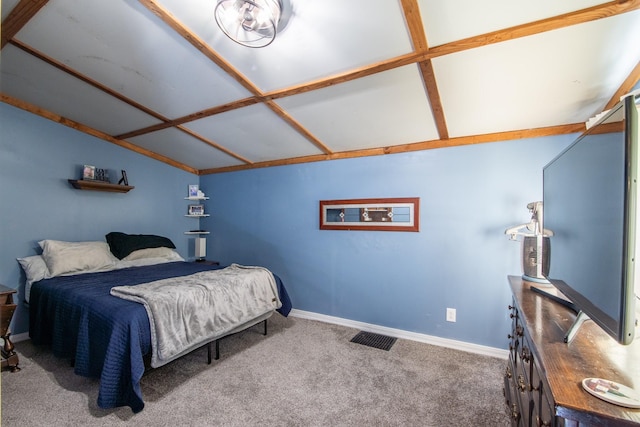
(590, 204)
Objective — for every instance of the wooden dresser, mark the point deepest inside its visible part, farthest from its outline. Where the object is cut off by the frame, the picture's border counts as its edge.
(7, 307)
(543, 377)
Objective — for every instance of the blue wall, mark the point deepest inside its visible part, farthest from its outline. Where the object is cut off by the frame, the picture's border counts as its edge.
(37, 157)
(460, 258)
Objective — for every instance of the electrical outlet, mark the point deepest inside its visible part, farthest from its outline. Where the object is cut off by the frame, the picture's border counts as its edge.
(451, 314)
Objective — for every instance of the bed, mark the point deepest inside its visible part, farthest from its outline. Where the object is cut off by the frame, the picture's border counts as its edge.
(109, 337)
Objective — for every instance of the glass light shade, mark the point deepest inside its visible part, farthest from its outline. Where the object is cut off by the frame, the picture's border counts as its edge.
(251, 23)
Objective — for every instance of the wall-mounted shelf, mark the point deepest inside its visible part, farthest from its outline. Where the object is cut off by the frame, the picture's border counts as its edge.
(197, 211)
(82, 184)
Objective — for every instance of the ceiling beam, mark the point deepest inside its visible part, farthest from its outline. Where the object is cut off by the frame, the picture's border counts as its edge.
(165, 122)
(194, 116)
(294, 124)
(200, 45)
(212, 55)
(626, 86)
(594, 13)
(429, 79)
(18, 17)
(93, 132)
(413, 20)
(215, 145)
(378, 67)
(573, 18)
(422, 56)
(417, 146)
(62, 67)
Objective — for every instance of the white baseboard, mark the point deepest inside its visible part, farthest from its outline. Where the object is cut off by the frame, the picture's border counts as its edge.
(396, 333)
(399, 333)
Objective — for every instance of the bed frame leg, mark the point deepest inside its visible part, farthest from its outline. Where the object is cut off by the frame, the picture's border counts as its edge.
(209, 351)
(218, 345)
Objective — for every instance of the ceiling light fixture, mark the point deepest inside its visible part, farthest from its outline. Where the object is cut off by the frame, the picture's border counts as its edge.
(251, 23)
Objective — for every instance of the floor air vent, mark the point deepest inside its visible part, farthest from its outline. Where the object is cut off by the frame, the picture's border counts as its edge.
(370, 339)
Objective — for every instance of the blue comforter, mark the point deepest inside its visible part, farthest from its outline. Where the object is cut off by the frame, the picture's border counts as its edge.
(107, 336)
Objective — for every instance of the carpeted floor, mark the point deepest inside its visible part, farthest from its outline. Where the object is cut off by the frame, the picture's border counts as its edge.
(304, 373)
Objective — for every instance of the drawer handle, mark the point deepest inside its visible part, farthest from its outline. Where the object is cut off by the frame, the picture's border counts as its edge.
(514, 412)
(539, 422)
(507, 372)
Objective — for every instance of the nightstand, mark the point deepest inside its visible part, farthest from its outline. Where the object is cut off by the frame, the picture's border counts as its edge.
(7, 307)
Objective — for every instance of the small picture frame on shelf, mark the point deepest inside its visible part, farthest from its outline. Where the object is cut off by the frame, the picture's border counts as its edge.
(88, 172)
(102, 175)
(193, 191)
(196, 210)
(124, 180)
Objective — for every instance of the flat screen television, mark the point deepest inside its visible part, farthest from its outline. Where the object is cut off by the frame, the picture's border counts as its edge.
(590, 200)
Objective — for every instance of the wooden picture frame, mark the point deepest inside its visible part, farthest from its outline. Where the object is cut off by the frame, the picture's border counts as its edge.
(384, 214)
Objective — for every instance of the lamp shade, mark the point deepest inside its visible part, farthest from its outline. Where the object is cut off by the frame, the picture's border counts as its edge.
(251, 23)
(200, 248)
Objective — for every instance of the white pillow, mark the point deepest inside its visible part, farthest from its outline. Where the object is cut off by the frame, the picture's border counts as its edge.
(35, 269)
(76, 257)
(162, 252)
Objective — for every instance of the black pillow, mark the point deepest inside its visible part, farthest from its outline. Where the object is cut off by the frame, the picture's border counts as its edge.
(122, 244)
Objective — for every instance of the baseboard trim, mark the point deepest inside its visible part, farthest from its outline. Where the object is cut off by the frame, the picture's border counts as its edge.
(20, 337)
(392, 332)
(399, 333)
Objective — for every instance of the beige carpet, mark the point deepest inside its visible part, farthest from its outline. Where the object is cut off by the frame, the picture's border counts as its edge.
(304, 373)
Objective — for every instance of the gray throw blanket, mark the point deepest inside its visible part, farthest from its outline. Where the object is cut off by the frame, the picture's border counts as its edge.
(189, 311)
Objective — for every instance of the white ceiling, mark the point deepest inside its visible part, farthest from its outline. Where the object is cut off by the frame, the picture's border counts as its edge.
(342, 79)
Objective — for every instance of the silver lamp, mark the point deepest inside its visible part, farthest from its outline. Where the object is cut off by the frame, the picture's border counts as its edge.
(252, 23)
(536, 245)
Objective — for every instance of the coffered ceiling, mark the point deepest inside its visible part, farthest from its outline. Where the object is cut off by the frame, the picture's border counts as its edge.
(342, 78)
